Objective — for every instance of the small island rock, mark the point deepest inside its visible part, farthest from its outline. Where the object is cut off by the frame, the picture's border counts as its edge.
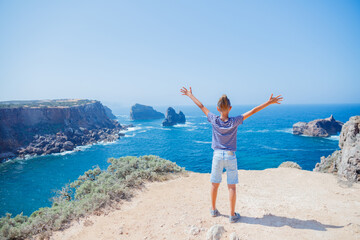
(346, 161)
(173, 118)
(318, 128)
(142, 112)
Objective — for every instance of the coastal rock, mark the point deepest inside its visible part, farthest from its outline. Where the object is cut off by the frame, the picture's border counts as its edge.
(290, 164)
(52, 126)
(142, 112)
(318, 128)
(173, 118)
(109, 113)
(346, 161)
(215, 232)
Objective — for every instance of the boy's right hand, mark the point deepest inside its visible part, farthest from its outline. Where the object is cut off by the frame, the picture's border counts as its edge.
(186, 92)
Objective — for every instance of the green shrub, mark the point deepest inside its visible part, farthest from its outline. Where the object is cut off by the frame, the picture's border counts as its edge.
(94, 190)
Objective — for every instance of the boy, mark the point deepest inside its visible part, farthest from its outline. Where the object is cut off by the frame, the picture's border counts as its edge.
(224, 131)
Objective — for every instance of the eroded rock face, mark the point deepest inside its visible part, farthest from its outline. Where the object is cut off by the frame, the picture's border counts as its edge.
(109, 113)
(173, 118)
(318, 128)
(142, 112)
(38, 130)
(346, 161)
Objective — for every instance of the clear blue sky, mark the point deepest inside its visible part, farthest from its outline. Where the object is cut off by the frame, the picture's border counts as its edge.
(144, 51)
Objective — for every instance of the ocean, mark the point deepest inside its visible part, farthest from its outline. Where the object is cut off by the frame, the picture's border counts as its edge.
(265, 140)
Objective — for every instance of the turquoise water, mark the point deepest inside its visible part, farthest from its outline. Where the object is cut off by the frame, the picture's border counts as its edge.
(264, 141)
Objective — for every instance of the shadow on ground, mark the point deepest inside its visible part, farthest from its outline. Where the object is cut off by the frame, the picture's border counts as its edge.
(277, 221)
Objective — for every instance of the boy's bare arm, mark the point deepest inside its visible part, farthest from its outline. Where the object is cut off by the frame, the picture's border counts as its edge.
(272, 100)
(195, 100)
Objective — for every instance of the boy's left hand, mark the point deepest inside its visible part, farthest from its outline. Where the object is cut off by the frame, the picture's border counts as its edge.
(273, 100)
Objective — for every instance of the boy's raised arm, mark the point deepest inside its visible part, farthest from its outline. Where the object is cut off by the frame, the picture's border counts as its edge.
(188, 93)
(272, 100)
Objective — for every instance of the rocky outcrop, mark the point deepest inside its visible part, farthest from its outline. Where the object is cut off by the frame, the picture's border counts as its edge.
(346, 161)
(142, 112)
(290, 164)
(173, 118)
(318, 128)
(53, 126)
(109, 113)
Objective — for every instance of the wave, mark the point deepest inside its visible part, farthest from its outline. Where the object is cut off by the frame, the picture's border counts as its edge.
(187, 124)
(285, 130)
(131, 129)
(122, 115)
(132, 135)
(204, 142)
(334, 138)
(258, 131)
(297, 149)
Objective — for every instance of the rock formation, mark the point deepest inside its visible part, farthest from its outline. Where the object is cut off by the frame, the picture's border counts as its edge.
(290, 164)
(52, 126)
(173, 118)
(142, 112)
(109, 113)
(346, 161)
(318, 128)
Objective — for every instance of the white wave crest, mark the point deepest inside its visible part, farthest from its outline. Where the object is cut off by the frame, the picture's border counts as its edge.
(131, 129)
(334, 138)
(187, 124)
(285, 130)
(258, 131)
(203, 142)
(297, 149)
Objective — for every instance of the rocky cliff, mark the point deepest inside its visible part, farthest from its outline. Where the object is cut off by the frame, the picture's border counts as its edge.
(142, 112)
(346, 161)
(318, 128)
(173, 118)
(43, 127)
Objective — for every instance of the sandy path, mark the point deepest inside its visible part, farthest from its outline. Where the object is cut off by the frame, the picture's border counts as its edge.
(278, 203)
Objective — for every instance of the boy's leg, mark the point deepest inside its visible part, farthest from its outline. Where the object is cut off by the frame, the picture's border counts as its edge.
(232, 198)
(215, 178)
(214, 191)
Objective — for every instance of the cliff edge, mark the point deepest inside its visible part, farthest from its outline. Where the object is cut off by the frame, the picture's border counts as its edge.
(51, 126)
(280, 203)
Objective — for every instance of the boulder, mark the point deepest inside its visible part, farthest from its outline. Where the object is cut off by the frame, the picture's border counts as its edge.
(318, 128)
(290, 164)
(173, 118)
(233, 236)
(68, 146)
(215, 232)
(346, 161)
(142, 112)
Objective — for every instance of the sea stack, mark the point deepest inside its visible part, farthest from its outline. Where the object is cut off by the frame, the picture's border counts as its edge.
(346, 161)
(143, 112)
(318, 128)
(173, 118)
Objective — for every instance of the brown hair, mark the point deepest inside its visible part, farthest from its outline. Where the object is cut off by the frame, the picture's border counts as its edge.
(224, 103)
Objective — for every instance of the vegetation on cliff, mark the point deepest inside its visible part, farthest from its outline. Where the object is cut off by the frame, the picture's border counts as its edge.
(91, 193)
(45, 103)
